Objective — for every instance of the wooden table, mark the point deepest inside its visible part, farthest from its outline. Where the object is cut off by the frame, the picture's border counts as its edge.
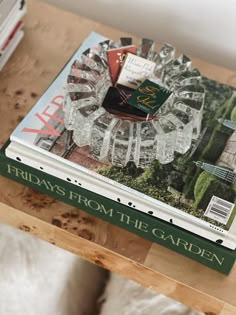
(51, 36)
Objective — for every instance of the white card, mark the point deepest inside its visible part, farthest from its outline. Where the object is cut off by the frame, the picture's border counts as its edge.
(135, 70)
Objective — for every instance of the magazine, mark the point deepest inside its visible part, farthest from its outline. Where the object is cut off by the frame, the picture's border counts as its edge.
(179, 166)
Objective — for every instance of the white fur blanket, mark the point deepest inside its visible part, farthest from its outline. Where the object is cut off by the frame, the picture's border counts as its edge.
(129, 298)
(37, 278)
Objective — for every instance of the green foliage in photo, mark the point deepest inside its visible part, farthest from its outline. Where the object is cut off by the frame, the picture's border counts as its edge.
(208, 185)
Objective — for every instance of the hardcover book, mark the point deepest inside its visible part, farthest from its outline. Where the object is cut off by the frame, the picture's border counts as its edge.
(158, 231)
(11, 12)
(11, 27)
(178, 166)
(8, 9)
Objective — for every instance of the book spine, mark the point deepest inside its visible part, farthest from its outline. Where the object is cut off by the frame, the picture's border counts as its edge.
(146, 226)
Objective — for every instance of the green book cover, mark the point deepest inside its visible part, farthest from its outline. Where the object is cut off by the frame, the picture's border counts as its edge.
(146, 226)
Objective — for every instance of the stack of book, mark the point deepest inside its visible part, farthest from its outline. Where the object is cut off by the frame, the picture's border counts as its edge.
(11, 27)
(148, 145)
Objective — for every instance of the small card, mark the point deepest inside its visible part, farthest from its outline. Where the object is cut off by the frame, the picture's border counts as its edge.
(135, 70)
(149, 97)
(115, 59)
(115, 103)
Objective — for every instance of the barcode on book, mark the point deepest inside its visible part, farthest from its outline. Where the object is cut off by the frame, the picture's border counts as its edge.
(219, 209)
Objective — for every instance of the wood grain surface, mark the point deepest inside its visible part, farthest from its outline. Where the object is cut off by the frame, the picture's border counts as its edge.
(51, 36)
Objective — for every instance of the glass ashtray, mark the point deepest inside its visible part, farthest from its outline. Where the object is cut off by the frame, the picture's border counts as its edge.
(118, 140)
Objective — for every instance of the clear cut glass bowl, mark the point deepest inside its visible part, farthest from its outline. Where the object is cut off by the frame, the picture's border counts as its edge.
(117, 140)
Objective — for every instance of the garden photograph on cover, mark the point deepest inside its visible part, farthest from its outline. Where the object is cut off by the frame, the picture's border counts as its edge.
(170, 136)
(190, 181)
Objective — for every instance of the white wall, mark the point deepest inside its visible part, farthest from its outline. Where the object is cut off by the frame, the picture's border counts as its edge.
(204, 28)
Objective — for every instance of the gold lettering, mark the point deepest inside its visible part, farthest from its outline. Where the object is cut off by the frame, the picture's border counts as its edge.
(107, 212)
(44, 183)
(182, 242)
(207, 255)
(94, 205)
(82, 199)
(18, 172)
(171, 238)
(149, 90)
(126, 219)
(11, 169)
(192, 247)
(33, 179)
(51, 187)
(21, 173)
(143, 226)
(73, 195)
(60, 191)
(219, 261)
(210, 256)
(146, 100)
(158, 233)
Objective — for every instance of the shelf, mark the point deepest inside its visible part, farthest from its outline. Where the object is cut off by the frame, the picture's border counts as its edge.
(51, 37)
